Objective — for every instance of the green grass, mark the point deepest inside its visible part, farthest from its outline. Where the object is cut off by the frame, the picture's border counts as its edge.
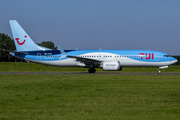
(33, 67)
(90, 97)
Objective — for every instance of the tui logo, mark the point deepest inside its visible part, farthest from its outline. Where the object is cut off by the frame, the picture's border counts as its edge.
(150, 56)
(22, 42)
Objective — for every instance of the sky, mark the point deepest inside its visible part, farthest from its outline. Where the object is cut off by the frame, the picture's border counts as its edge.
(94, 24)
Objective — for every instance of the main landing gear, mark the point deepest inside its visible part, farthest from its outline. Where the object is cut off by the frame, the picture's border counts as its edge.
(92, 70)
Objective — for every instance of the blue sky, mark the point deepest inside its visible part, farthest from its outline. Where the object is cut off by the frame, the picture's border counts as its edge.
(94, 24)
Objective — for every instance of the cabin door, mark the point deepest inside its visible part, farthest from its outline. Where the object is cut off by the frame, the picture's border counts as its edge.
(157, 56)
(38, 56)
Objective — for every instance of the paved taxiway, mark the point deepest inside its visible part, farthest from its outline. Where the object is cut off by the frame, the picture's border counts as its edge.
(64, 73)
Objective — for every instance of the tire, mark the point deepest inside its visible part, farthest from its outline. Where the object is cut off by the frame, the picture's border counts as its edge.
(92, 70)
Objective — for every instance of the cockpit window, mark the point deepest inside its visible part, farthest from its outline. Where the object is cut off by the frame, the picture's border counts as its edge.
(167, 56)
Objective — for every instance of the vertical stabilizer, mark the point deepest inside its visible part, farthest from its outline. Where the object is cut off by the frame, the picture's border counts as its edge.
(22, 40)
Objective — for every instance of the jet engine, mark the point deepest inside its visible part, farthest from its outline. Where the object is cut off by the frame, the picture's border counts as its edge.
(111, 66)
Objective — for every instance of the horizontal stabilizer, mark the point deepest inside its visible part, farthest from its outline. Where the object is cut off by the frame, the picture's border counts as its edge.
(13, 51)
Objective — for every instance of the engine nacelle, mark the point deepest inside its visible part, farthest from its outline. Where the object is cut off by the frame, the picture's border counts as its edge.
(111, 66)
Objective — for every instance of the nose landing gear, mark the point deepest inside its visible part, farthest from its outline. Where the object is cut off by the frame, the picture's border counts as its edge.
(159, 71)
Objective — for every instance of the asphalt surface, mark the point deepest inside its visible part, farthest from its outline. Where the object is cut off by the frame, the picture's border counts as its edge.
(68, 73)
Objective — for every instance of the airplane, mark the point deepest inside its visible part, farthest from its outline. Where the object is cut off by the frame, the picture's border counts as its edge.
(108, 60)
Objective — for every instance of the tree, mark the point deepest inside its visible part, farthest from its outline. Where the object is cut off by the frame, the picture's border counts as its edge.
(6, 43)
(48, 44)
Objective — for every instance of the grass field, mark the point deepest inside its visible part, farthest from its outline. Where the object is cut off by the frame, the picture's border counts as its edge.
(33, 67)
(90, 97)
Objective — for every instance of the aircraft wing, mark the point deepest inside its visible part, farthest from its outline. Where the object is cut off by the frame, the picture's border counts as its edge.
(87, 61)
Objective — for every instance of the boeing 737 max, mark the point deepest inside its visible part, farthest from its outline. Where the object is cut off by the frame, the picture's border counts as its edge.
(110, 60)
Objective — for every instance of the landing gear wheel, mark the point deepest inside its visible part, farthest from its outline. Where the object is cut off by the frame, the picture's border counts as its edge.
(159, 71)
(92, 70)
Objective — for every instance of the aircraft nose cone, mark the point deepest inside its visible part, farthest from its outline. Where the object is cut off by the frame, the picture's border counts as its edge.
(174, 60)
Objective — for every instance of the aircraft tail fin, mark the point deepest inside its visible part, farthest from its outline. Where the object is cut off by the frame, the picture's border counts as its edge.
(22, 40)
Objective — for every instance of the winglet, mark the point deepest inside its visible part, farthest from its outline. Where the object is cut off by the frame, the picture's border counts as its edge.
(61, 50)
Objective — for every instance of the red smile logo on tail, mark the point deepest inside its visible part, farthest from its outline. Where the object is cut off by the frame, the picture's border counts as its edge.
(19, 42)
